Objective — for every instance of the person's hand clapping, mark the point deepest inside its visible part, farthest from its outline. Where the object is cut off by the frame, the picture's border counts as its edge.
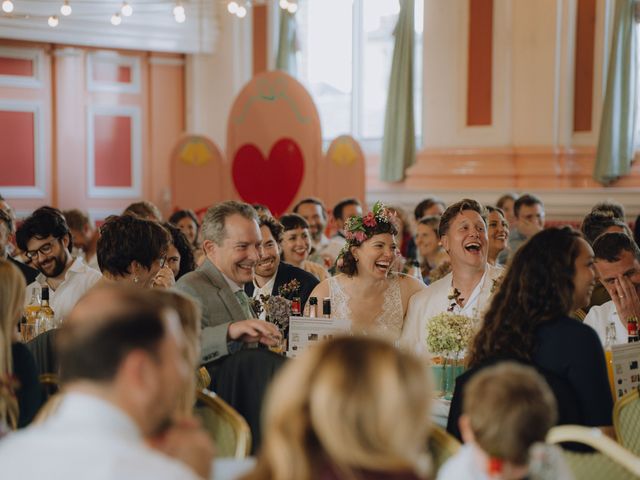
(528, 228)
(253, 330)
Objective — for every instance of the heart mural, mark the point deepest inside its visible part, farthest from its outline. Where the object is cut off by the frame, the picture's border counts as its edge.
(273, 181)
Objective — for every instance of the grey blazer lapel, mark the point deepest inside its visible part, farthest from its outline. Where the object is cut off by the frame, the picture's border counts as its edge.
(224, 292)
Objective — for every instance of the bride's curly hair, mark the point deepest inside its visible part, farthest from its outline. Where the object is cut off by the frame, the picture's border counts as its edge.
(537, 287)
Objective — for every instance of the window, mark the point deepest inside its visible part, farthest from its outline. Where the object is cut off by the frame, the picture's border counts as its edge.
(345, 55)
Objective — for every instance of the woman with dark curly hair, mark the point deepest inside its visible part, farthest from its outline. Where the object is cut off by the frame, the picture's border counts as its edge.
(134, 250)
(550, 276)
(368, 293)
(180, 254)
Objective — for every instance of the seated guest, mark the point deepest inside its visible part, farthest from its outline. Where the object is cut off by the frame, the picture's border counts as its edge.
(84, 235)
(347, 408)
(343, 210)
(121, 387)
(593, 225)
(271, 273)
(179, 254)
(614, 209)
(529, 212)
(232, 243)
(550, 276)
(133, 251)
(44, 237)
(144, 209)
(296, 245)
(468, 289)
(617, 261)
(497, 233)
(190, 321)
(6, 231)
(429, 207)
(187, 222)
(430, 251)
(19, 401)
(314, 212)
(506, 203)
(598, 222)
(368, 293)
(508, 411)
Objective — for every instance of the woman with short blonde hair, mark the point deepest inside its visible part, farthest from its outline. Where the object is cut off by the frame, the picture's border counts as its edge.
(351, 407)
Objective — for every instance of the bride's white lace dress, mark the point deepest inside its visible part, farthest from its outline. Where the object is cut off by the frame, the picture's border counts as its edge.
(387, 322)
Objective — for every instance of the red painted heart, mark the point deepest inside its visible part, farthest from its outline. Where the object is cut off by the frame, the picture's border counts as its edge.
(272, 181)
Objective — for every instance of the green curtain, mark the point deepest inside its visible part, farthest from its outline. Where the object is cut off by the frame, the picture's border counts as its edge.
(398, 144)
(286, 58)
(617, 127)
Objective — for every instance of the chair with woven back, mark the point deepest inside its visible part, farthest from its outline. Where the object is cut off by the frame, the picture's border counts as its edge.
(626, 420)
(441, 446)
(610, 460)
(228, 429)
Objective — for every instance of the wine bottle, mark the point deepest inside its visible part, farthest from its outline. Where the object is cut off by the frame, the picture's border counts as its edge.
(45, 320)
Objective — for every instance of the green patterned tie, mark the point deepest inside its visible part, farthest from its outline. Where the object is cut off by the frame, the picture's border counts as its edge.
(243, 299)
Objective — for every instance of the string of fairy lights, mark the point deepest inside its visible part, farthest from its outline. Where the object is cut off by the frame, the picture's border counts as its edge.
(239, 8)
(126, 9)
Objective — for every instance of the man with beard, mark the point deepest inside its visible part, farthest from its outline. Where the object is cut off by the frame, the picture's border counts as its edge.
(124, 373)
(313, 211)
(45, 239)
(271, 273)
(617, 261)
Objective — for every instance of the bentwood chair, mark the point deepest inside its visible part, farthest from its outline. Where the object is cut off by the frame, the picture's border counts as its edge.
(441, 446)
(228, 429)
(610, 460)
(626, 421)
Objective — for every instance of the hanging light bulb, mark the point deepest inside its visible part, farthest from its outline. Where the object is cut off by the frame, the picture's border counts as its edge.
(126, 9)
(53, 21)
(178, 10)
(65, 9)
(242, 12)
(283, 4)
(292, 7)
(180, 18)
(232, 7)
(116, 19)
(7, 6)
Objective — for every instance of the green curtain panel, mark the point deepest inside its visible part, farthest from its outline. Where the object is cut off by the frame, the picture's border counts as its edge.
(617, 126)
(398, 144)
(286, 58)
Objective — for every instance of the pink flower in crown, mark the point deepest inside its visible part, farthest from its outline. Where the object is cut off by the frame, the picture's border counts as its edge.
(360, 236)
(349, 235)
(369, 220)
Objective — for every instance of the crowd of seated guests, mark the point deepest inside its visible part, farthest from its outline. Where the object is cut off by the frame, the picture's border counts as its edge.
(142, 304)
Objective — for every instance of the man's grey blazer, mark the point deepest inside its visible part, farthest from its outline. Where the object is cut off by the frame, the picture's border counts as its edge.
(219, 306)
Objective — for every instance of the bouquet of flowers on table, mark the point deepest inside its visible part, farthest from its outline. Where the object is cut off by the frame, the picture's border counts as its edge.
(448, 336)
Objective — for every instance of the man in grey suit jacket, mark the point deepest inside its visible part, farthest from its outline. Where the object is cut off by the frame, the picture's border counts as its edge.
(232, 245)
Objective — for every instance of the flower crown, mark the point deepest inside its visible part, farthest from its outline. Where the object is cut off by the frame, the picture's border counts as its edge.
(358, 229)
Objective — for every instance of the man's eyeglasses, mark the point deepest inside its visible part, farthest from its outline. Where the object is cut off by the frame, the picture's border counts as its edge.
(45, 249)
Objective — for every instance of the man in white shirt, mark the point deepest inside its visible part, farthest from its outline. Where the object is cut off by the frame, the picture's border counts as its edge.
(44, 237)
(343, 211)
(617, 260)
(117, 419)
(468, 289)
(85, 235)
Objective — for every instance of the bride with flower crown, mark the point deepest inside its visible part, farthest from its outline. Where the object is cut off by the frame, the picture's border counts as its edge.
(367, 292)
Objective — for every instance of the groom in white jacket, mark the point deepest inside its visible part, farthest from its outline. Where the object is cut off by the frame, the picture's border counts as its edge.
(468, 289)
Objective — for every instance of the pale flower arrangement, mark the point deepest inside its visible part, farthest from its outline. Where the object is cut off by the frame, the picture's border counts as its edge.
(449, 334)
